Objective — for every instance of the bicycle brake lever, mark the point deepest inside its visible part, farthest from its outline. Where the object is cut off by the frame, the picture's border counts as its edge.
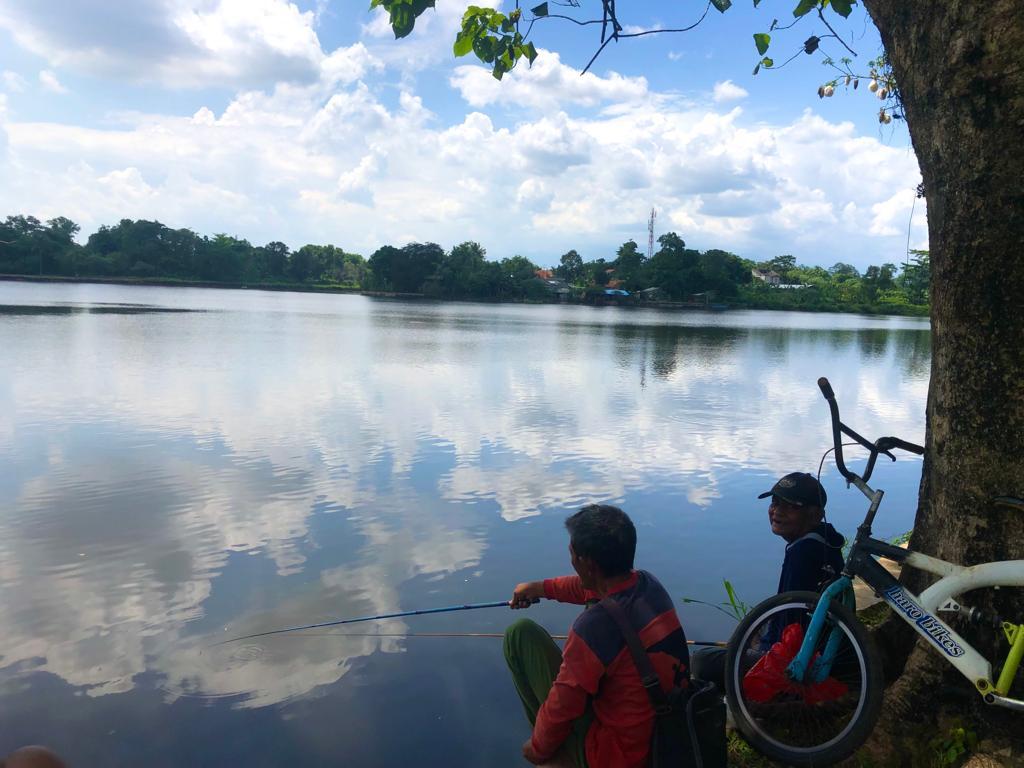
(883, 444)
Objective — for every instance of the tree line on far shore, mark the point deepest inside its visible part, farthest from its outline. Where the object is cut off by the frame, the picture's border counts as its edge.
(150, 251)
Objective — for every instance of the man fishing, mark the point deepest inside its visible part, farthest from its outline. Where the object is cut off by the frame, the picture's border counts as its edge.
(587, 703)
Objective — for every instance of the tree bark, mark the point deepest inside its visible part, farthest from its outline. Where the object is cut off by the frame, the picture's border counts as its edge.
(959, 65)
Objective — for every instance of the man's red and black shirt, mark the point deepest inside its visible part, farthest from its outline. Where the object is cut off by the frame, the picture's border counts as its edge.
(597, 667)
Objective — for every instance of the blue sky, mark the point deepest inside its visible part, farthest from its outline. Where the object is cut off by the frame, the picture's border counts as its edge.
(307, 122)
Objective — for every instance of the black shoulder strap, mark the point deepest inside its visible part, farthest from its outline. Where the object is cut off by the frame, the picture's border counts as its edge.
(648, 676)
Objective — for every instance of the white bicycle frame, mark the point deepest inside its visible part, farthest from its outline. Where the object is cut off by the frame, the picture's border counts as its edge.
(920, 612)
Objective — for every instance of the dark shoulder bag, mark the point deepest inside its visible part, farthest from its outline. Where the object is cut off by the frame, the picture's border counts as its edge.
(689, 723)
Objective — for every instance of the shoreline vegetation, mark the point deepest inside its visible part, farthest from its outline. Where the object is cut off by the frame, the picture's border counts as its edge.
(674, 277)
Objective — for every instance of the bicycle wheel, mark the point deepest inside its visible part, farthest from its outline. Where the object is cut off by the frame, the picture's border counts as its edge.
(802, 723)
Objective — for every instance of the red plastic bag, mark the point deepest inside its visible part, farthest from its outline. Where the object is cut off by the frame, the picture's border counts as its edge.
(767, 678)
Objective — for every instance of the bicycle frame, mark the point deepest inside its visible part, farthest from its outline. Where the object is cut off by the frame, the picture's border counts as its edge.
(917, 610)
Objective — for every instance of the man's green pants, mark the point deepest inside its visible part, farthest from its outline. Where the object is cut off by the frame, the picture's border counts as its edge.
(534, 659)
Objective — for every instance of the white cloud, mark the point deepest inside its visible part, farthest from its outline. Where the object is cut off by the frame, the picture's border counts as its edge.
(548, 84)
(634, 29)
(333, 162)
(891, 217)
(50, 82)
(178, 43)
(727, 90)
(533, 195)
(14, 82)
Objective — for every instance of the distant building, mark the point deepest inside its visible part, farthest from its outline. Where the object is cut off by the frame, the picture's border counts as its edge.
(653, 294)
(559, 288)
(769, 276)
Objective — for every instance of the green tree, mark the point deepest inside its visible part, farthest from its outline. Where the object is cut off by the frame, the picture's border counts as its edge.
(917, 277)
(784, 266)
(629, 265)
(675, 268)
(723, 272)
(225, 259)
(519, 278)
(276, 256)
(570, 267)
(354, 270)
(420, 262)
(457, 275)
(383, 263)
(598, 271)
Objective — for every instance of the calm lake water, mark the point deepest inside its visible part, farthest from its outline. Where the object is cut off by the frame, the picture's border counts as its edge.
(179, 466)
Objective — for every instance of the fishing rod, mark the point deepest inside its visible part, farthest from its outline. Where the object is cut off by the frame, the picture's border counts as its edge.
(468, 607)
(709, 643)
(447, 609)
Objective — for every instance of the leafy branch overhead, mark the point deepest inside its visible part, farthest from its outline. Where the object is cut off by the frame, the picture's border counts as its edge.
(501, 40)
(495, 38)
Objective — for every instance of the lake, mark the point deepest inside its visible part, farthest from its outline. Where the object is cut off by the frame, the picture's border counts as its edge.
(179, 466)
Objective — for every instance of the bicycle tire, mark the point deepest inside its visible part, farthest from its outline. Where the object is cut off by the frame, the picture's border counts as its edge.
(788, 727)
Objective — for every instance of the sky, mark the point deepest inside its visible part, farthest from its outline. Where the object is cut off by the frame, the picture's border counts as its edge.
(307, 122)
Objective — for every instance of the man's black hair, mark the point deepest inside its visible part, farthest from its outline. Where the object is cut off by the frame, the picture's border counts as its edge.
(606, 535)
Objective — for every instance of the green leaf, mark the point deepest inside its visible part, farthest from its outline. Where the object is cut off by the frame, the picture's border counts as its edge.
(762, 40)
(721, 5)
(757, 3)
(540, 10)
(483, 47)
(842, 7)
(402, 20)
(463, 44)
(767, 63)
(730, 592)
(757, 68)
(805, 7)
(530, 51)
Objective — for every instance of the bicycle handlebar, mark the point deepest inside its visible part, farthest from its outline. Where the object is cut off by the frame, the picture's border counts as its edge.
(881, 445)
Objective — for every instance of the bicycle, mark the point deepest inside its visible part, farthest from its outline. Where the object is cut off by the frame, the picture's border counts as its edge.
(803, 677)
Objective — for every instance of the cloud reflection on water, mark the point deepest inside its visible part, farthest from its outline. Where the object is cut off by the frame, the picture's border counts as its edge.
(168, 476)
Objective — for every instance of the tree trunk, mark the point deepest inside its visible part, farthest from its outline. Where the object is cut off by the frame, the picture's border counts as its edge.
(959, 65)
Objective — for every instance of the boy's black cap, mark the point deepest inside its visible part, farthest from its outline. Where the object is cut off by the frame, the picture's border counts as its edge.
(799, 488)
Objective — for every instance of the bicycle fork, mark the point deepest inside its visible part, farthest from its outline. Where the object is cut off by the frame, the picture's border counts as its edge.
(841, 588)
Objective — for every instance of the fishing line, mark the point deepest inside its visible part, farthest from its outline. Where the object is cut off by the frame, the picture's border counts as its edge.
(711, 643)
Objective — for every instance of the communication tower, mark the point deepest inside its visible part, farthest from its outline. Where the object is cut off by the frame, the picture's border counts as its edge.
(650, 233)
